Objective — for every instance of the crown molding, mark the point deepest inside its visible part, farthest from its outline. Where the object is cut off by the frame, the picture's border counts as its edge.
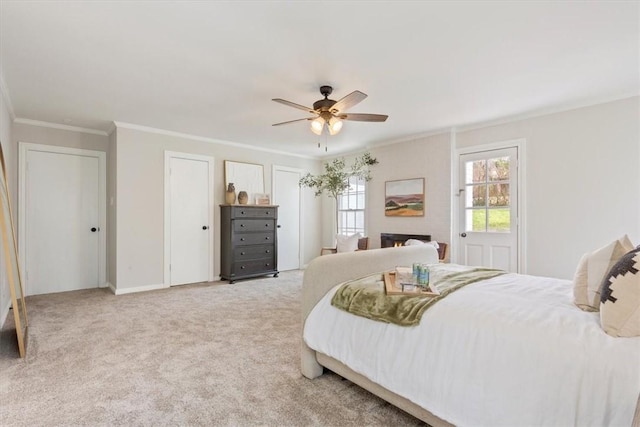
(409, 138)
(5, 95)
(456, 129)
(112, 128)
(59, 126)
(543, 112)
(206, 139)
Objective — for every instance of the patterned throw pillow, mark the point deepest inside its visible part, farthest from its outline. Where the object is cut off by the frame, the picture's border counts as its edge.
(620, 297)
(592, 269)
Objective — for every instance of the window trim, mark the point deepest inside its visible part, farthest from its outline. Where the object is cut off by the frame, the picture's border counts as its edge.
(354, 192)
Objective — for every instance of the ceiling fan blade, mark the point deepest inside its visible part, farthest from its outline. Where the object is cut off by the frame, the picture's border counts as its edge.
(348, 101)
(294, 105)
(364, 117)
(292, 121)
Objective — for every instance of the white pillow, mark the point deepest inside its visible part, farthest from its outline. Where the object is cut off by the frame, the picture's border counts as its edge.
(347, 243)
(413, 242)
(592, 269)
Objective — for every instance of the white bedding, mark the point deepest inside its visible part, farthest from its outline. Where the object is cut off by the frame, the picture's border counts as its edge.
(510, 351)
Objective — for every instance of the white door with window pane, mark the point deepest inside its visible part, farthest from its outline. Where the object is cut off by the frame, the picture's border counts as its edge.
(488, 209)
(351, 205)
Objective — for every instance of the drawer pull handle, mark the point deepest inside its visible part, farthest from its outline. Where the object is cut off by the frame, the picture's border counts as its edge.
(241, 225)
(266, 225)
(268, 251)
(241, 253)
(266, 264)
(242, 267)
(266, 238)
(242, 239)
(241, 212)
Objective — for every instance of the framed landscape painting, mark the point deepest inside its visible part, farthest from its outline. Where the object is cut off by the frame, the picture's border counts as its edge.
(404, 197)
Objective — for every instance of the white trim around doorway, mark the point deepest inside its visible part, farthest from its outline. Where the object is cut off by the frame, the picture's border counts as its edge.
(520, 145)
(275, 168)
(168, 155)
(23, 149)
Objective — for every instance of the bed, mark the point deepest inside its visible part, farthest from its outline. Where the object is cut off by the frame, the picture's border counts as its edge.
(510, 350)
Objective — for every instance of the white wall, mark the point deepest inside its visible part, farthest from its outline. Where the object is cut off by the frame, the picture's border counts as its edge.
(23, 132)
(582, 180)
(9, 153)
(424, 157)
(140, 201)
(428, 158)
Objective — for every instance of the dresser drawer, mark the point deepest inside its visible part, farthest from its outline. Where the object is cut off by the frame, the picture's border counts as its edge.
(254, 225)
(253, 238)
(243, 253)
(253, 212)
(254, 266)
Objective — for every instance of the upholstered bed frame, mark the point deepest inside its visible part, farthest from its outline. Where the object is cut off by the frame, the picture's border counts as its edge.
(322, 274)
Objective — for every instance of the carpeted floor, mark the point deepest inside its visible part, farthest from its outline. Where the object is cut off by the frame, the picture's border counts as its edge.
(206, 354)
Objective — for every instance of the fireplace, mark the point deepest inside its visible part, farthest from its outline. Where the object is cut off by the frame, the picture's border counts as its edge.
(388, 240)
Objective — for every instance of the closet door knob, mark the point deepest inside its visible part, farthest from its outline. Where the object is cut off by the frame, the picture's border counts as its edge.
(204, 227)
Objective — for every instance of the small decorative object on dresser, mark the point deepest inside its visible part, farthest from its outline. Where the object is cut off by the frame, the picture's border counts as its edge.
(248, 241)
(230, 196)
(243, 198)
(262, 199)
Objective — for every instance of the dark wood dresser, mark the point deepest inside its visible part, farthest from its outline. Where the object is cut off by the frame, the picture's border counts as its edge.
(248, 241)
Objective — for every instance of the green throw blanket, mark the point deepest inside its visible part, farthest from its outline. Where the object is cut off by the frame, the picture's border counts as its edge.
(366, 297)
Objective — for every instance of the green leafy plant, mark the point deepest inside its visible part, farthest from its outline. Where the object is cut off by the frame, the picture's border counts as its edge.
(335, 179)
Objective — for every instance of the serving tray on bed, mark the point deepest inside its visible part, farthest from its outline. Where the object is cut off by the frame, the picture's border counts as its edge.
(391, 288)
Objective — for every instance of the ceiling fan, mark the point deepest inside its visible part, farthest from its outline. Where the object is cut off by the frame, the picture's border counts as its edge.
(330, 113)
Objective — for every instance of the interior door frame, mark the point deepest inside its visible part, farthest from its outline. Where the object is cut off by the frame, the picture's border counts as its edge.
(23, 150)
(521, 224)
(301, 172)
(168, 155)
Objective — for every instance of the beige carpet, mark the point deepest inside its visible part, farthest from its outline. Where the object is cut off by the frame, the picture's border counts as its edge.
(207, 354)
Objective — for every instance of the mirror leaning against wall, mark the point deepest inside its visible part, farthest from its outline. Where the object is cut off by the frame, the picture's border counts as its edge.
(10, 258)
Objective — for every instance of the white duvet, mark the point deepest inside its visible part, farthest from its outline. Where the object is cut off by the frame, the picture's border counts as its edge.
(510, 351)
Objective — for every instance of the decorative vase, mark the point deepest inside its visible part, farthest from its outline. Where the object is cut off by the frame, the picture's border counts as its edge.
(243, 197)
(230, 197)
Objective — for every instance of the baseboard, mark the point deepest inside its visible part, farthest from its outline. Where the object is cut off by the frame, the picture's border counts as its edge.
(111, 287)
(4, 313)
(122, 291)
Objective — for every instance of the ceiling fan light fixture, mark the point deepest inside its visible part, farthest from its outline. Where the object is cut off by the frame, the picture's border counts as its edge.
(335, 124)
(317, 125)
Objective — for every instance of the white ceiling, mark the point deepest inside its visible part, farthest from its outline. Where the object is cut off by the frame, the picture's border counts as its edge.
(211, 68)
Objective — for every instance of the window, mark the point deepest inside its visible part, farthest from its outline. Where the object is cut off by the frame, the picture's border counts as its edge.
(351, 206)
(487, 203)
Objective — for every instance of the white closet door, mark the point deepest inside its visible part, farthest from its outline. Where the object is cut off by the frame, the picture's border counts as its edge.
(62, 222)
(190, 224)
